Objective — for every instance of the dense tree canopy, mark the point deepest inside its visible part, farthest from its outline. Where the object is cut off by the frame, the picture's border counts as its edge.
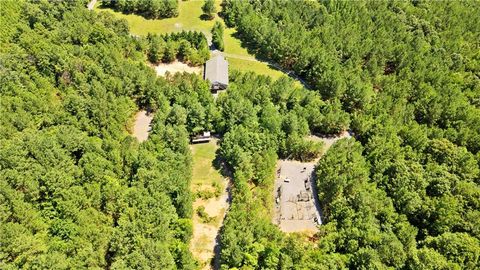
(209, 9)
(217, 36)
(403, 76)
(189, 47)
(77, 191)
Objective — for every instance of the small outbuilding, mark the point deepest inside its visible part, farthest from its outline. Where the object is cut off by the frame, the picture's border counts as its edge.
(216, 72)
(201, 138)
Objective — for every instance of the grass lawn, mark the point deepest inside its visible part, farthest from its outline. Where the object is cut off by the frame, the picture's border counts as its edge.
(233, 44)
(188, 19)
(255, 66)
(203, 172)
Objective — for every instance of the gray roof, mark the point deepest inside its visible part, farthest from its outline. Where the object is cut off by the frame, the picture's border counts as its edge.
(216, 70)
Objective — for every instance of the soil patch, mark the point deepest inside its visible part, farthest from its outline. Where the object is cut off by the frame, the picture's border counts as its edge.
(175, 67)
(142, 126)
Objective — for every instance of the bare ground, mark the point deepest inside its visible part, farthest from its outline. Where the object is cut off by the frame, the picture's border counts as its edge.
(292, 213)
(175, 67)
(141, 126)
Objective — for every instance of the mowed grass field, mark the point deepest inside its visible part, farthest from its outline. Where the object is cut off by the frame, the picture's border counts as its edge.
(203, 172)
(189, 19)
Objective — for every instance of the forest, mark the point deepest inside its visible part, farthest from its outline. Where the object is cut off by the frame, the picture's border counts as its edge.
(78, 192)
(403, 77)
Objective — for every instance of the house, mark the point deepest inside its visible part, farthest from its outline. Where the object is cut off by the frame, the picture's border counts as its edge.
(216, 72)
(200, 138)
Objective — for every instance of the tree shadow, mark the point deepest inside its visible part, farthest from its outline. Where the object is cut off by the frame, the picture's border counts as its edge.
(205, 17)
(220, 164)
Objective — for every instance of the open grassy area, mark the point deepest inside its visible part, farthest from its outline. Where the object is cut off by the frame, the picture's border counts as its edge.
(204, 173)
(188, 19)
(255, 66)
(232, 44)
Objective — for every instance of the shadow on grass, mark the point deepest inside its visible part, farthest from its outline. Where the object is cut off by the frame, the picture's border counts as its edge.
(205, 17)
(250, 46)
(220, 164)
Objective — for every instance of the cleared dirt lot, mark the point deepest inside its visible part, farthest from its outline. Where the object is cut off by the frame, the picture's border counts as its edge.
(175, 67)
(297, 208)
(142, 126)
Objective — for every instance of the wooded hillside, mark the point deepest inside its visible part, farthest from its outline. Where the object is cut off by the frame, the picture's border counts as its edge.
(405, 194)
(76, 191)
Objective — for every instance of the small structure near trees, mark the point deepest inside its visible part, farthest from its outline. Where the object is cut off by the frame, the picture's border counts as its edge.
(201, 138)
(216, 72)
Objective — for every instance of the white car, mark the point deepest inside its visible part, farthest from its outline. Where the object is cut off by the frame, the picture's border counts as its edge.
(287, 180)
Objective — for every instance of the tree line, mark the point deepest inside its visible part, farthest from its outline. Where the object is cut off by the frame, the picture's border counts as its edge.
(217, 36)
(78, 192)
(187, 46)
(151, 9)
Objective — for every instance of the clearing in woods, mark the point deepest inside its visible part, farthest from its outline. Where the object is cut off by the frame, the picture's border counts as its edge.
(210, 189)
(174, 67)
(189, 19)
(141, 126)
(297, 206)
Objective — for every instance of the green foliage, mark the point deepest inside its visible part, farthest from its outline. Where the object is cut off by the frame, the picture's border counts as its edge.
(189, 47)
(262, 119)
(217, 36)
(151, 9)
(76, 190)
(404, 193)
(203, 215)
(302, 149)
(205, 194)
(209, 9)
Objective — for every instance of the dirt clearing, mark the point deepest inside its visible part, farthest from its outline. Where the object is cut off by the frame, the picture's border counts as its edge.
(142, 126)
(297, 207)
(175, 67)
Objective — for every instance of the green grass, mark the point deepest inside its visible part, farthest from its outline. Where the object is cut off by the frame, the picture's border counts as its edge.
(255, 66)
(188, 19)
(233, 44)
(204, 173)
